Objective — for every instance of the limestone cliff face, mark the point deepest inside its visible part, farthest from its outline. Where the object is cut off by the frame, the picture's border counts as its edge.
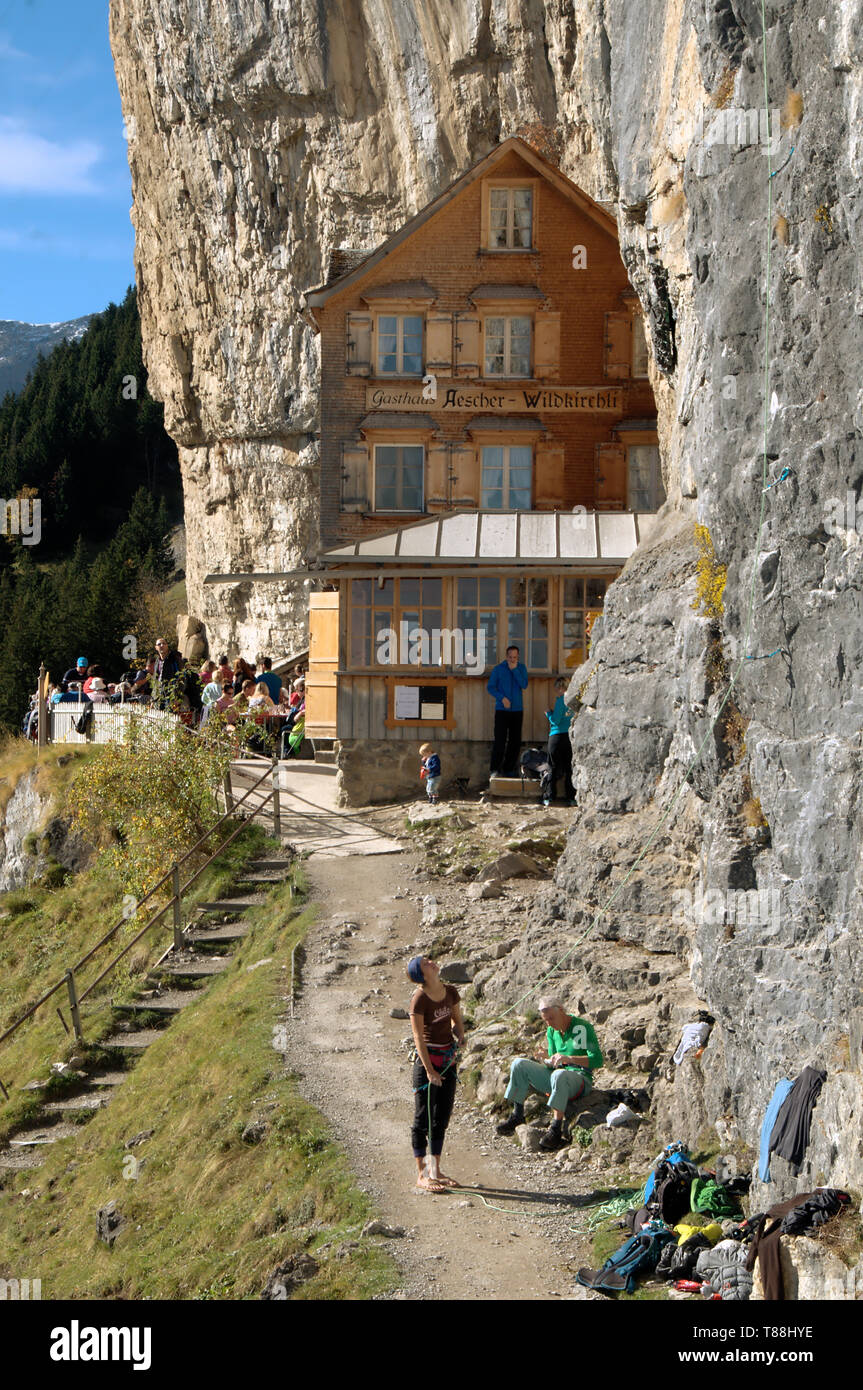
(265, 133)
(262, 135)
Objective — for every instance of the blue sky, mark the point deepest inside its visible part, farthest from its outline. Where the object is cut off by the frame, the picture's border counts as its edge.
(65, 237)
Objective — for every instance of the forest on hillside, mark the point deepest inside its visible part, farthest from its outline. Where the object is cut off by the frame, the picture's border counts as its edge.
(86, 441)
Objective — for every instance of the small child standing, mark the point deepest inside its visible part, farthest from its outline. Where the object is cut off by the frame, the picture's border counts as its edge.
(430, 771)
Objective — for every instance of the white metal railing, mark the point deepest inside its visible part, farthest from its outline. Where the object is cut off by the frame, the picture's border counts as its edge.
(109, 724)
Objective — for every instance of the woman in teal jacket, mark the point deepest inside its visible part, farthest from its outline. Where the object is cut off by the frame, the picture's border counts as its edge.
(559, 746)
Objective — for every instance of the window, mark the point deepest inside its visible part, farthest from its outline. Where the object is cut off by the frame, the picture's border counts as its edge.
(510, 612)
(527, 620)
(399, 477)
(507, 346)
(371, 610)
(507, 474)
(510, 219)
(400, 345)
(580, 597)
(478, 616)
(645, 491)
(393, 622)
(639, 347)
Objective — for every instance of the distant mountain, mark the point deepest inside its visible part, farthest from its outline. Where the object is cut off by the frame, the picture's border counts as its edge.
(21, 343)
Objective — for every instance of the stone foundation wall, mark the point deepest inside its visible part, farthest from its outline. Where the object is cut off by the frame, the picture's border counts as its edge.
(372, 770)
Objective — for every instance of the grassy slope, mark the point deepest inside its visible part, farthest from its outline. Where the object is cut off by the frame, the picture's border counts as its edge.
(208, 1215)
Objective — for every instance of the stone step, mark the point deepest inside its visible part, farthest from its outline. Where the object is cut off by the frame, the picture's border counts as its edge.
(47, 1133)
(229, 931)
(168, 1002)
(324, 755)
(132, 1042)
(22, 1160)
(243, 904)
(272, 879)
(199, 968)
(73, 1103)
(273, 864)
(527, 790)
(106, 1079)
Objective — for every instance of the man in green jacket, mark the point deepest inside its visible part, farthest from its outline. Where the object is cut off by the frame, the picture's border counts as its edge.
(565, 1074)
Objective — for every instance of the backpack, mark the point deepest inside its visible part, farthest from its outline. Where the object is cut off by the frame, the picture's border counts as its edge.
(84, 720)
(638, 1255)
(672, 1180)
(535, 763)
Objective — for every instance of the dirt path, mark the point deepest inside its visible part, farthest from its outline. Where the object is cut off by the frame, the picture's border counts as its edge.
(353, 1062)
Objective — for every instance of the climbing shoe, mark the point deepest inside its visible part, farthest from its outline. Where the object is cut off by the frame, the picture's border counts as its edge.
(553, 1139)
(511, 1125)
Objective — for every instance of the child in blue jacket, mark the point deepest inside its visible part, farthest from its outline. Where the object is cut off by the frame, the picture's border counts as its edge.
(430, 763)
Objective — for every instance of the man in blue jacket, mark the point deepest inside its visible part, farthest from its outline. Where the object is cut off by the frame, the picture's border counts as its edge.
(506, 683)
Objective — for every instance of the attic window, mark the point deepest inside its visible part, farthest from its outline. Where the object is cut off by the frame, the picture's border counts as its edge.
(510, 217)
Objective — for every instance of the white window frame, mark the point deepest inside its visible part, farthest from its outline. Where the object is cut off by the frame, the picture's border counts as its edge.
(510, 444)
(510, 190)
(398, 444)
(399, 315)
(508, 320)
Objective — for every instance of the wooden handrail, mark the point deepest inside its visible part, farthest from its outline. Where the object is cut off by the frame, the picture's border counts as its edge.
(156, 886)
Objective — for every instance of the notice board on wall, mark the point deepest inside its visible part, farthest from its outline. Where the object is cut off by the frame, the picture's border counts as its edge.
(418, 702)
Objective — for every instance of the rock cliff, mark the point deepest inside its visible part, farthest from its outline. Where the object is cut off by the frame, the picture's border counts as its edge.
(269, 134)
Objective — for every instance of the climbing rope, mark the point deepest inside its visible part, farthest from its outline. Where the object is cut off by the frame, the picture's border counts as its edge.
(604, 908)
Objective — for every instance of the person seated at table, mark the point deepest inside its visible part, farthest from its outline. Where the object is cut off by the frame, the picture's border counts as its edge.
(242, 673)
(246, 692)
(298, 693)
(213, 689)
(261, 699)
(267, 676)
(227, 697)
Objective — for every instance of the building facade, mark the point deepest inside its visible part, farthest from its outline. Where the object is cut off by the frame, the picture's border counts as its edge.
(489, 460)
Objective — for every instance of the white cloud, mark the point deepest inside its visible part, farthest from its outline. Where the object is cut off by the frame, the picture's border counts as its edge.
(29, 163)
(8, 49)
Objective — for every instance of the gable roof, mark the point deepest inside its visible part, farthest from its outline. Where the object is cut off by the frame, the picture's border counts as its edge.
(595, 211)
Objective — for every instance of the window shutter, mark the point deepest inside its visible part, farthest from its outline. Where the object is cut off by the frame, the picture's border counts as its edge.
(437, 477)
(355, 478)
(467, 329)
(639, 347)
(546, 351)
(618, 345)
(358, 359)
(439, 343)
(610, 476)
(548, 476)
(465, 465)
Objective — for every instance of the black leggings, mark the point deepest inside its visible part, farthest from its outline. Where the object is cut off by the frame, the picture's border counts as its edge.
(442, 1098)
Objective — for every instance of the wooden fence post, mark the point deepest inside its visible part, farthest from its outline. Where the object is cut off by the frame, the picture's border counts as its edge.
(229, 793)
(277, 806)
(178, 915)
(73, 1006)
(42, 707)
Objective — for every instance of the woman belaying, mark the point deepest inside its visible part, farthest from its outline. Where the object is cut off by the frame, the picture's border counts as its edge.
(438, 1032)
(559, 747)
